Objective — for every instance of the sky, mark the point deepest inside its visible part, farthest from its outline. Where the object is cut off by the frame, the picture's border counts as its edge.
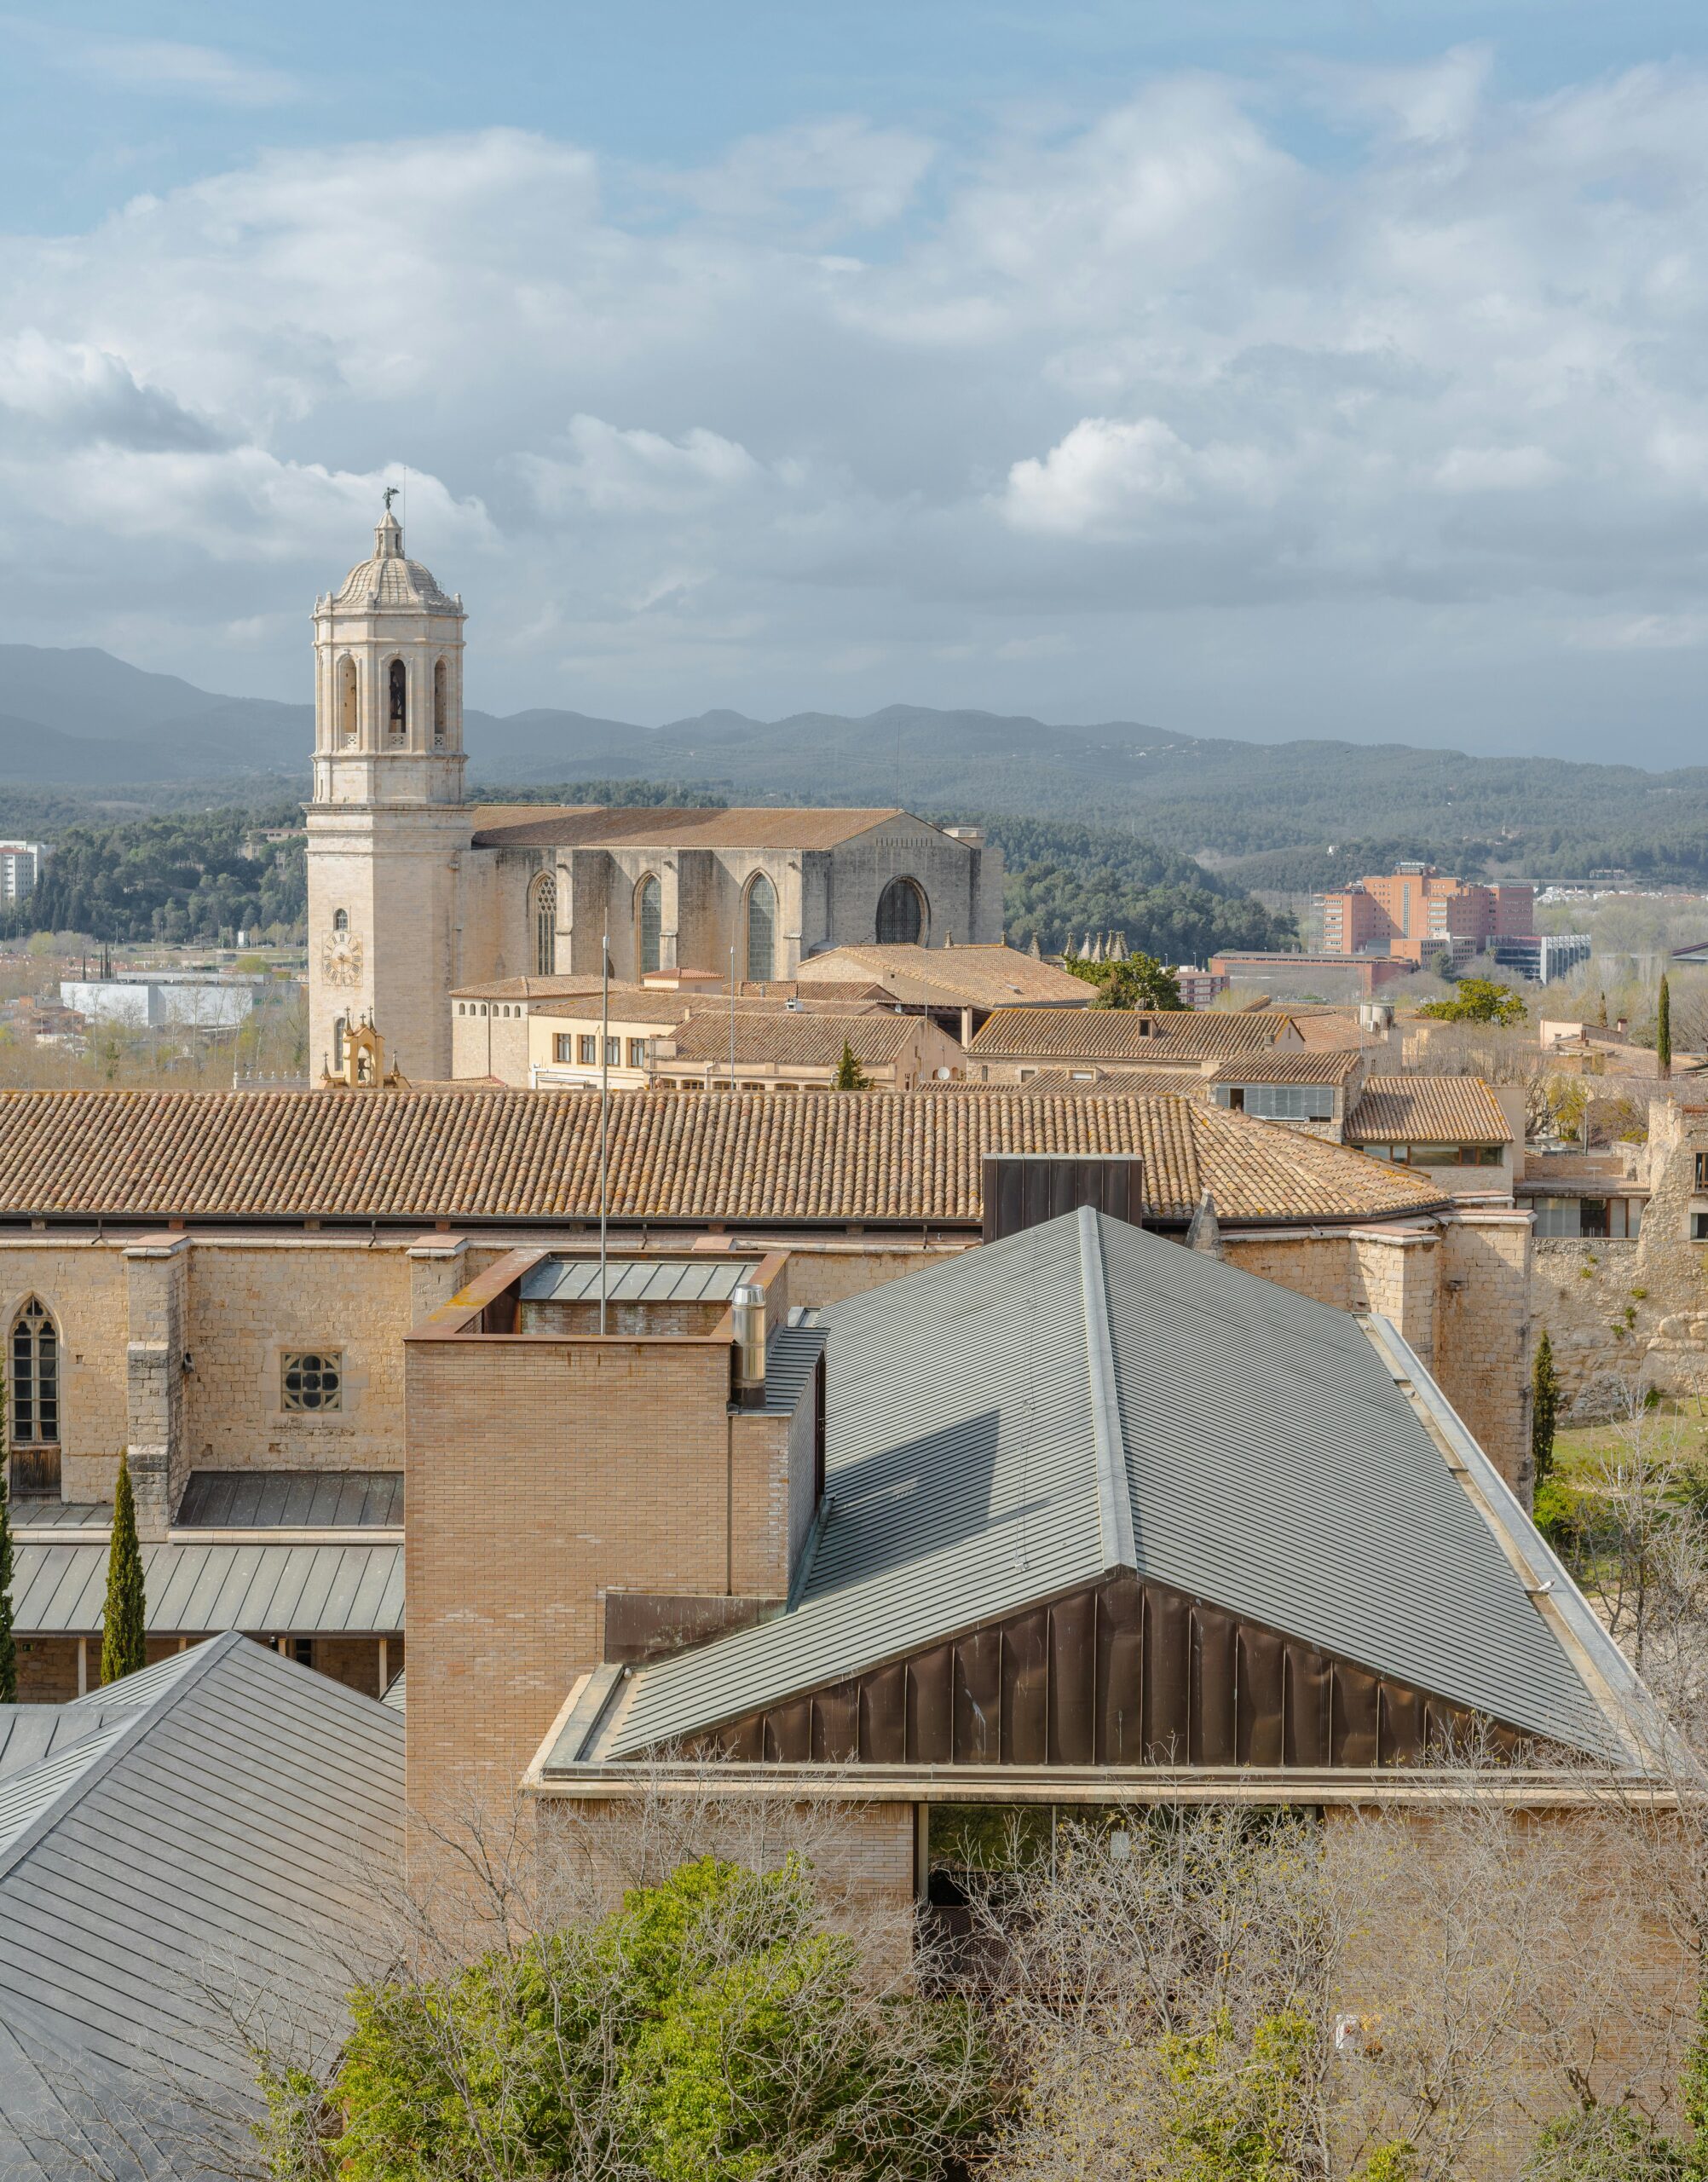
(1262, 368)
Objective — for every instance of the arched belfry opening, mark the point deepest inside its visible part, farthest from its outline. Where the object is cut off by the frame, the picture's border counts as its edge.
(347, 702)
(903, 917)
(396, 701)
(442, 702)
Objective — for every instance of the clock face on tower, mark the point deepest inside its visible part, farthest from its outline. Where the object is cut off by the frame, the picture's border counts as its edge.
(341, 959)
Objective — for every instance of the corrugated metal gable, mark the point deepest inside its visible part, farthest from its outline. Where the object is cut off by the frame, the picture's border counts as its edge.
(1271, 1465)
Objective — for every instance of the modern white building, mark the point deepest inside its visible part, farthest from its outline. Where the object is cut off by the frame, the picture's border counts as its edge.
(150, 1000)
(20, 867)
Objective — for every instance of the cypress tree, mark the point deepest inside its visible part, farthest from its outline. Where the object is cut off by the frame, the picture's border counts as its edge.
(850, 1076)
(122, 1647)
(1545, 1410)
(8, 1642)
(1662, 1040)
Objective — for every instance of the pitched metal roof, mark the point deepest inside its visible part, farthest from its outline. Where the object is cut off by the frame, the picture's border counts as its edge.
(218, 1820)
(194, 1589)
(1086, 1397)
(293, 1499)
(1152, 1035)
(675, 1280)
(909, 1156)
(1429, 1109)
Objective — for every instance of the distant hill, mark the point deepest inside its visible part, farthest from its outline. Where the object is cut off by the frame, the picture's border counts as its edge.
(1288, 816)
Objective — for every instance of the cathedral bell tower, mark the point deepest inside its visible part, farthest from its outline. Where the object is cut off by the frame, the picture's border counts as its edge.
(388, 830)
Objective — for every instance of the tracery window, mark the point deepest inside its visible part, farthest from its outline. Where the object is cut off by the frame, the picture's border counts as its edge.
(901, 915)
(34, 1417)
(312, 1379)
(762, 922)
(649, 912)
(543, 911)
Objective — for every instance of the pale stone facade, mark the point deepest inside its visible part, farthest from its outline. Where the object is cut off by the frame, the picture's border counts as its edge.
(413, 892)
(1622, 1314)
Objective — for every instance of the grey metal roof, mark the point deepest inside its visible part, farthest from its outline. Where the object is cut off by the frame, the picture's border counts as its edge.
(218, 1826)
(30, 1733)
(1086, 1396)
(677, 1280)
(194, 1589)
(61, 1515)
(298, 1500)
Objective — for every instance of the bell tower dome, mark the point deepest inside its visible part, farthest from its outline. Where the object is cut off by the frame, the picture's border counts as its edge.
(389, 829)
(389, 682)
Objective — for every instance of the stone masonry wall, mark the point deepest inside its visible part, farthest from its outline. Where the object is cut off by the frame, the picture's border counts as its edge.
(1626, 1315)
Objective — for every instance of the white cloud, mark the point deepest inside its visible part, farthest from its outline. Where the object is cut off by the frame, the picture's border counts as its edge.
(706, 438)
(159, 66)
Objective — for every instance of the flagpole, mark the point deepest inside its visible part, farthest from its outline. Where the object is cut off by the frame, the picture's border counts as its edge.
(604, 1098)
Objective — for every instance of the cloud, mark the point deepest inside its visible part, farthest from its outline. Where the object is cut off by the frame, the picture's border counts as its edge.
(1411, 424)
(159, 67)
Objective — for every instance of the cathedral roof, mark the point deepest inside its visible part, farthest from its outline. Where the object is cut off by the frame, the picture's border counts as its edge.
(388, 580)
(593, 826)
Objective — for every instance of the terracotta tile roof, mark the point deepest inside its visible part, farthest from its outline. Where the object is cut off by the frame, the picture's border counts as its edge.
(1327, 1029)
(1105, 1083)
(1427, 1110)
(908, 1157)
(953, 977)
(804, 1041)
(534, 988)
(1157, 1037)
(1288, 1066)
(583, 826)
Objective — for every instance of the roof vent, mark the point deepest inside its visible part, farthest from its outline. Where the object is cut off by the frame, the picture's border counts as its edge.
(748, 1303)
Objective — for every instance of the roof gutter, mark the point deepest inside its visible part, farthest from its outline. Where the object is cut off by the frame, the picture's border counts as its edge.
(1622, 1697)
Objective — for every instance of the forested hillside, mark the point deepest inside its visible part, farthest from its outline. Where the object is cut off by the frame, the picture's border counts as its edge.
(171, 880)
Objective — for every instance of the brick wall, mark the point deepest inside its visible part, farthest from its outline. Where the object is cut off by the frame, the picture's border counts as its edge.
(541, 1474)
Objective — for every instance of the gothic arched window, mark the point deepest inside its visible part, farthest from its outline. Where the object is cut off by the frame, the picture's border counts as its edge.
(762, 928)
(397, 708)
(649, 922)
(901, 915)
(442, 700)
(543, 913)
(34, 1414)
(347, 702)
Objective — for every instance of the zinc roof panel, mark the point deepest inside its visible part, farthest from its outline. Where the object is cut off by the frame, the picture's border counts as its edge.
(1272, 1468)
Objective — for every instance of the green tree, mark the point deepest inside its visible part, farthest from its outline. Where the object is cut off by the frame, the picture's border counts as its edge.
(123, 1647)
(1544, 1411)
(1478, 1000)
(1606, 2144)
(1141, 981)
(1663, 1034)
(709, 2031)
(850, 1076)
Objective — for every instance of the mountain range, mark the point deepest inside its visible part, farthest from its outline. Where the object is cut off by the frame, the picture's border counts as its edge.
(1292, 814)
